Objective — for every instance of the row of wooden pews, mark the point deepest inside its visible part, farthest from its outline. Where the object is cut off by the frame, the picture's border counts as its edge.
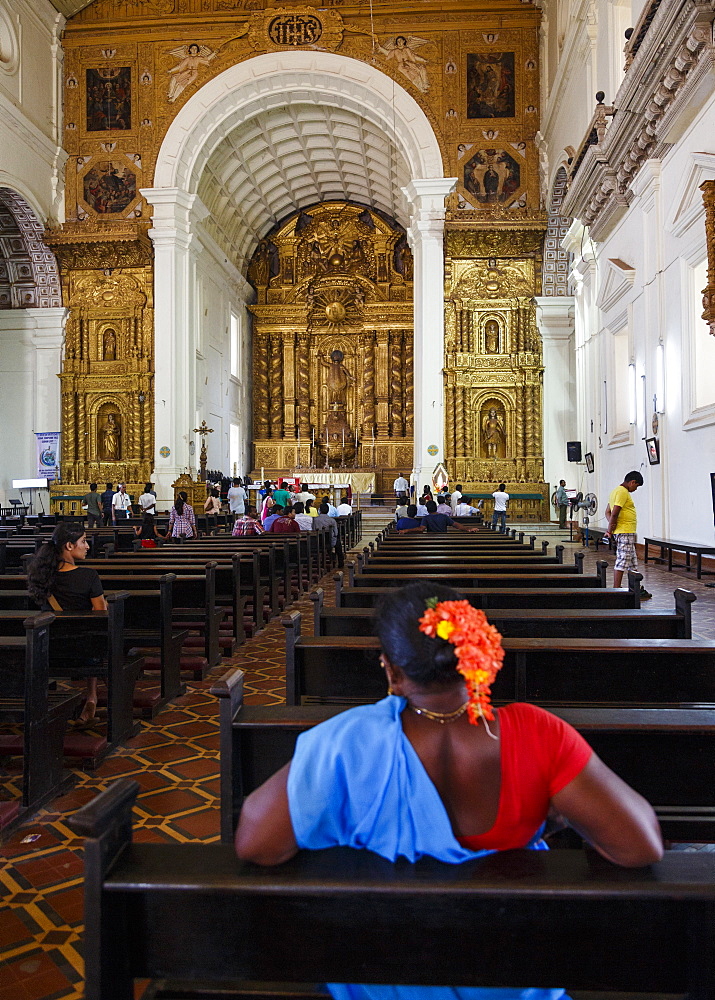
(632, 681)
(174, 612)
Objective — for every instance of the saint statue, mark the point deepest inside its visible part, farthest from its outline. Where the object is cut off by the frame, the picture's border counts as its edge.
(109, 436)
(491, 337)
(339, 378)
(493, 433)
(109, 345)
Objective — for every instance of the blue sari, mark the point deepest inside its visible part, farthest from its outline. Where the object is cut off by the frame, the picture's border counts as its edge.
(356, 781)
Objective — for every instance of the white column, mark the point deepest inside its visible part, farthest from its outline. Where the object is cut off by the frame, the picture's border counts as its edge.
(426, 239)
(555, 319)
(175, 213)
(30, 361)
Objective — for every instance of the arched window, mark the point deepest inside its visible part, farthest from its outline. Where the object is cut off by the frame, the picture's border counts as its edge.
(556, 260)
(29, 278)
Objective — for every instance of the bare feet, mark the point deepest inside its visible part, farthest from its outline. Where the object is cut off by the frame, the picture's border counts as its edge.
(88, 712)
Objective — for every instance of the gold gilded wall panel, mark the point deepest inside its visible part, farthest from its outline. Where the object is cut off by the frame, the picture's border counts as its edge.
(334, 355)
(493, 362)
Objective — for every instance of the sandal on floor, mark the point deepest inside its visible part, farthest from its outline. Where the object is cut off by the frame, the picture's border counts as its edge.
(88, 712)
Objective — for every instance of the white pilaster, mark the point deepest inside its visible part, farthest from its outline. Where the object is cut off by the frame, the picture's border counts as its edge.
(175, 213)
(555, 319)
(30, 360)
(426, 239)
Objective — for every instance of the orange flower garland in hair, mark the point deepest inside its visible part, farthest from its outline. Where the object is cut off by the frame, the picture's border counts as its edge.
(477, 645)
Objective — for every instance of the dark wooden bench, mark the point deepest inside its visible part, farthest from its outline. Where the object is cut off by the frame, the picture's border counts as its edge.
(670, 546)
(668, 755)
(584, 623)
(78, 639)
(194, 914)
(26, 702)
(509, 597)
(147, 623)
(678, 673)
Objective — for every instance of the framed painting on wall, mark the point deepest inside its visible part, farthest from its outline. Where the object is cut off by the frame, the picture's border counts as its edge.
(653, 449)
(490, 85)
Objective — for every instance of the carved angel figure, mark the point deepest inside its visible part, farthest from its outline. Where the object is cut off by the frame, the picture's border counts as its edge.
(192, 57)
(401, 51)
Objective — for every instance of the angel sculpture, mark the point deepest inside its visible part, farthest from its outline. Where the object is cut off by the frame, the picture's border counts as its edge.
(185, 72)
(401, 51)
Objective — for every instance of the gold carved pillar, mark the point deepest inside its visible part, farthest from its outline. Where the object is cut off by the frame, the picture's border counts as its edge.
(396, 400)
(368, 386)
(302, 366)
(289, 395)
(381, 396)
(708, 189)
(449, 443)
(276, 386)
(409, 385)
(260, 385)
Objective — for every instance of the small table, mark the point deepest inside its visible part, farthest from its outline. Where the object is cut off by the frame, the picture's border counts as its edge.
(669, 545)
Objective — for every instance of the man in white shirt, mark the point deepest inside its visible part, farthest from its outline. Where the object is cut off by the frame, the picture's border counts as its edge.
(501, 499)
(456, 497)
(147, 501)
(332, 509)
(344, 508)
(121, 502)
(305, 521)
(236, 497)
(400, 485)
(465, 510)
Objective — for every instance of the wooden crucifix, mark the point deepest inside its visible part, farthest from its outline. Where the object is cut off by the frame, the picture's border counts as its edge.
(203, 430)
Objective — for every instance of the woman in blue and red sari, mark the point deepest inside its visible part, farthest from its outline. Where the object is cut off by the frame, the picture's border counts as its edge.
(433, 770)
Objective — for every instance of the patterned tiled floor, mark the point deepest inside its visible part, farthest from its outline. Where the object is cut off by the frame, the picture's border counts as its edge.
(175, 761)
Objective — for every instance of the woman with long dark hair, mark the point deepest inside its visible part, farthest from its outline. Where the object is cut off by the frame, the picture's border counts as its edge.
(57, 581)
(148, 532)
(182, 523)
(433, 769)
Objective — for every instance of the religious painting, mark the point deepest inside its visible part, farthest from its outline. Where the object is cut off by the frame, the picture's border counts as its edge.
(109, 98)
(492, 176)
(401, 52)
(490, 85)
(109, 187)
(191, 58)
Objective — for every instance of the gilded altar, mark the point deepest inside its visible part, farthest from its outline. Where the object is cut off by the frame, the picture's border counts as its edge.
(108, 366)
(333, 342)
(493, 359)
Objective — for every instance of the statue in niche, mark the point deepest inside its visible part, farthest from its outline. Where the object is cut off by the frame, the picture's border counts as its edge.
(109, 345)
(403, 261)
(491, 337)
(493, 433)
(109, 438)
(260, 268)
(339, 378)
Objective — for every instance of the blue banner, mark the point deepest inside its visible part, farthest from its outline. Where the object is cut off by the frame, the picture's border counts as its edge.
(48, 454)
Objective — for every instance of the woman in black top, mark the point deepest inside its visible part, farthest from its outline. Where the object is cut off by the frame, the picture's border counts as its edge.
(58, 581)
(148, 532)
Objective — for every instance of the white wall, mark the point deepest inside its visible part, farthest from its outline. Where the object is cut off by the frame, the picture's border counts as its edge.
(31, 158)
(31, 163)
(221, 398)
(645, 278)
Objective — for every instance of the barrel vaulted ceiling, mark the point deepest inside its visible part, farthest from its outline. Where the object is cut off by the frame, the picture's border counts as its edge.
(289, 158)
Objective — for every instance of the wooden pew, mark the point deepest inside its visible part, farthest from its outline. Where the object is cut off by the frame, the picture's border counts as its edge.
(582, 623)
(577, 672)
(99, 635)
(509, 597)
(26, 701)
(147, 623)
(668, 755)
(158, 911)
(464, 565)
(478, 579)
(194, 596)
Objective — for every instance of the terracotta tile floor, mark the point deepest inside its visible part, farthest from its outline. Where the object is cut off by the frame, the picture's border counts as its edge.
(175, 760)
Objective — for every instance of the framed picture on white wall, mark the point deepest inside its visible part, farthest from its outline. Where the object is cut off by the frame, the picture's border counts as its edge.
(653, 449)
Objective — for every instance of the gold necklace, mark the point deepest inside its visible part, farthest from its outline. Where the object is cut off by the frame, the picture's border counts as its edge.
(440, 717)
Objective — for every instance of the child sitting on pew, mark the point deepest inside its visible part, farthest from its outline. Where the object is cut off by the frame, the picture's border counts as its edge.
(57, 583)
(433, 770)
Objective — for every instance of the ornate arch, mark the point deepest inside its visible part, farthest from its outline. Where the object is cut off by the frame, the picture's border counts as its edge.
(272, 80)
(29, 277)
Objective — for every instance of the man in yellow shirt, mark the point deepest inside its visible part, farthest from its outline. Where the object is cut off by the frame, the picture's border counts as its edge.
(622, 522)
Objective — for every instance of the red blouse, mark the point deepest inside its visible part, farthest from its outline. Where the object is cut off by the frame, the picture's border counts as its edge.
(540, 755)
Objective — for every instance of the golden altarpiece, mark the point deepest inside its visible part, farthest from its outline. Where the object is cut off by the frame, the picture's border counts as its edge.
(333, 342)
(493, 360)
(108, 370)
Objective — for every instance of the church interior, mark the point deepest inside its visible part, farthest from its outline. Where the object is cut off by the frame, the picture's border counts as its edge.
(343, 243)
